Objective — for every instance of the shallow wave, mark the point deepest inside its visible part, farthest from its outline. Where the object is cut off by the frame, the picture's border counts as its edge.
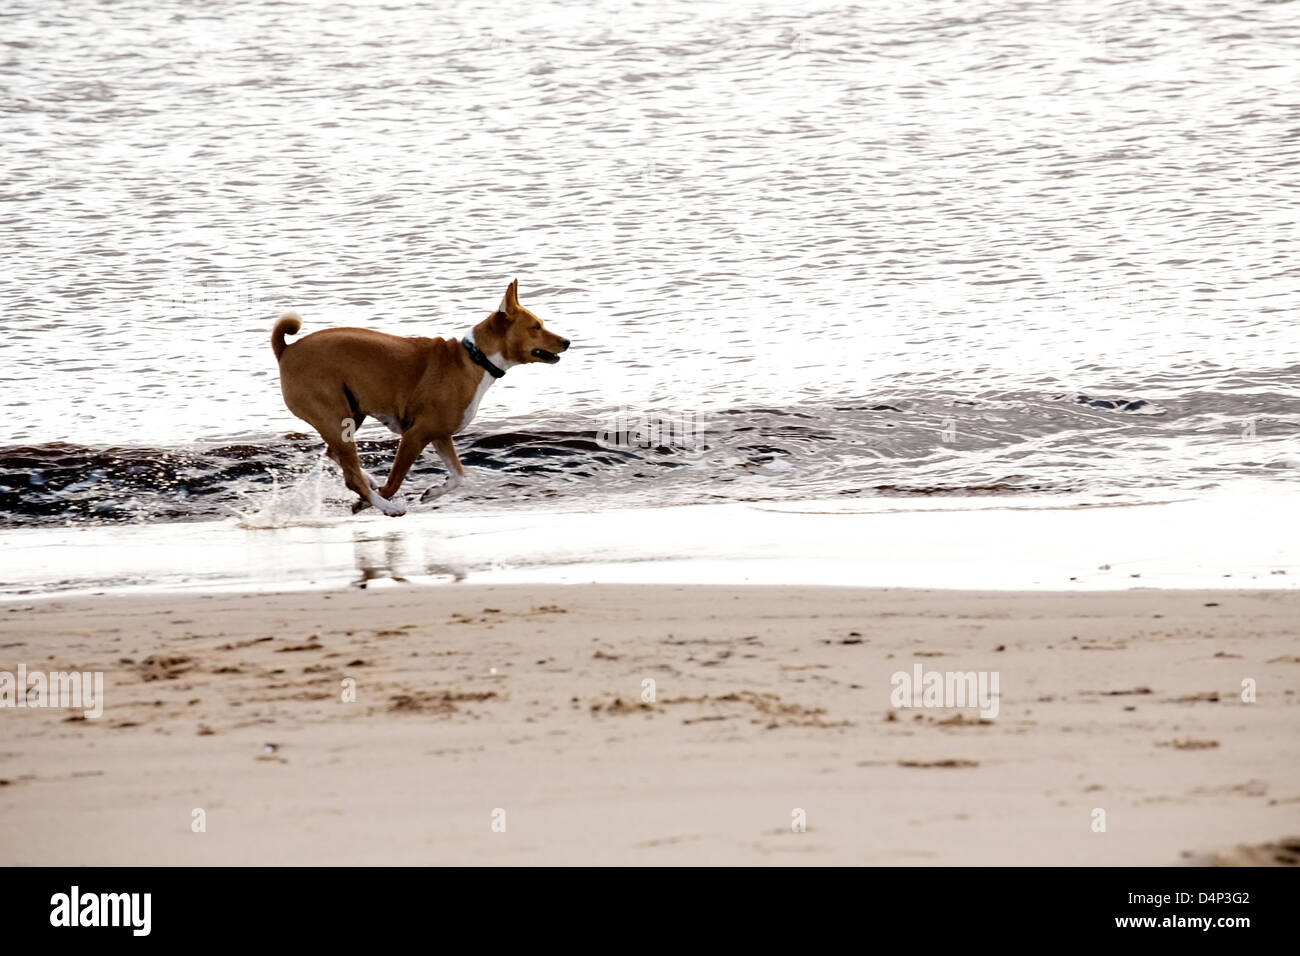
(910, 446)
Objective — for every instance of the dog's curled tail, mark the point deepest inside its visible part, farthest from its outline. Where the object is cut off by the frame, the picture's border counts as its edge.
(287, 324)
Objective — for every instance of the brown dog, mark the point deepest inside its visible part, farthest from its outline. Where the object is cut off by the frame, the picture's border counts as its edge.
(425, 390)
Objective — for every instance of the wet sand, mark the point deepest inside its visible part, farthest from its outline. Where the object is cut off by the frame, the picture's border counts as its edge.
(1001, 543)
(522, 705)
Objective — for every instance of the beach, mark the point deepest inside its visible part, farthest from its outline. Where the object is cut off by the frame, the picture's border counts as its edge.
(919, 488)
(513, 724)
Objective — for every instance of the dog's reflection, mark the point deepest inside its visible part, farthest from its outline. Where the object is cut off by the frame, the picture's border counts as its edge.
(380, 556)
(388, 557)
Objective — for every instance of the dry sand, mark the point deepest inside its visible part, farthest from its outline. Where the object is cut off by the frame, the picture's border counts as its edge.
(528, 700)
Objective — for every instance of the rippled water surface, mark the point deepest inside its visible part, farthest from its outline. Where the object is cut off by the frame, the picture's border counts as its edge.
(879, 248)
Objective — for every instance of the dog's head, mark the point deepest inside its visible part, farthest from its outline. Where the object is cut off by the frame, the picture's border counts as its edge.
(517, 335)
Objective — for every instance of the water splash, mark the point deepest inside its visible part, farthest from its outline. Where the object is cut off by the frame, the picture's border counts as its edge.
(303, 503)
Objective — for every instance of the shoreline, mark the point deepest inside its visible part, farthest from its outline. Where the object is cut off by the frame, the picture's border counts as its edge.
(528, 699)
(1008, 544)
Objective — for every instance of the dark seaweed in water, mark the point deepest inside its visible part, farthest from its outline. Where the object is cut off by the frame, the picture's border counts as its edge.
(1117, 403)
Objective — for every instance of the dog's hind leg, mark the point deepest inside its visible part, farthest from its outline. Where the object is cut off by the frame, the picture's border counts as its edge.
(350, 429)
(358, 505)
(446, 450)
(345, 453)
(341, 446)
(335, 414)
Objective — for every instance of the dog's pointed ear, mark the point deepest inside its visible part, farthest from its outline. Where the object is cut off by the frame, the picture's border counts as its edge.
(511, 301)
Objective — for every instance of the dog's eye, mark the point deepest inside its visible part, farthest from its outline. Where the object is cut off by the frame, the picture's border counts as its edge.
(537, 327)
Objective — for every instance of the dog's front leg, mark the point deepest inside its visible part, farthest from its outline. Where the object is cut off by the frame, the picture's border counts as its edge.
(455, 472)
(408, 449)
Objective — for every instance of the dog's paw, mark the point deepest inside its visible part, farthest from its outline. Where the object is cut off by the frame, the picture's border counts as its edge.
(394, 507)
(359, 506)
(437, 491)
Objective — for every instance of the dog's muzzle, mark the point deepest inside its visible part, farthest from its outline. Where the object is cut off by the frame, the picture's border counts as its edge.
(550, 358)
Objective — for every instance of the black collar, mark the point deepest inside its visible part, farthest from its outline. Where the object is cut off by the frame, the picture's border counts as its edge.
(476, 355)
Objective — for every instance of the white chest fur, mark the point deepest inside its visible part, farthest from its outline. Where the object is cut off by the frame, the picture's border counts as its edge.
(484, 384)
